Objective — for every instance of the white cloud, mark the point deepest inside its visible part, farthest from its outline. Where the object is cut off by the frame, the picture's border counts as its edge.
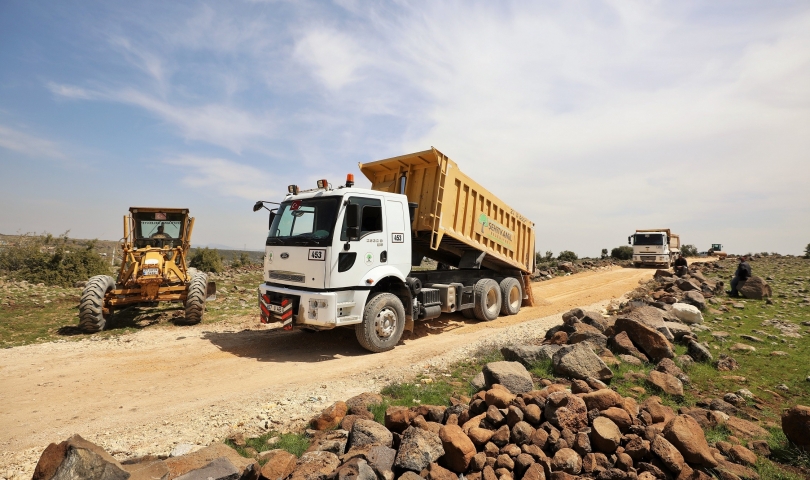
(212, 123)
(226, 177)
(333, 56)
(30, 145)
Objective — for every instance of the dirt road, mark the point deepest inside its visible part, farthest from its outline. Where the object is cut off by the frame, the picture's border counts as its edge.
(144, 392)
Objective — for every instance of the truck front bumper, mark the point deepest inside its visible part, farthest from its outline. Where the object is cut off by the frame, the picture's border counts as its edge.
(318, 310)
(651, 259)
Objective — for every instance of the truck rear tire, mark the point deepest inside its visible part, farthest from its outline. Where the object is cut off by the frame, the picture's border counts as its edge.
(487, 299)
(383, 323)
(91, 305)
(468, 313)
(511, 296)
(195, 300)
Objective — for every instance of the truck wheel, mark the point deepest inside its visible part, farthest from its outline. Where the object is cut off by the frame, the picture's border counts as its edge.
(383, 323)
(468, 313)
(511, 296)
(195, 300)
(487, 299)
(91, 305)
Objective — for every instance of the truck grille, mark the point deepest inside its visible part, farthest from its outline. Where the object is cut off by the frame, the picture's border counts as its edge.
(287, 276)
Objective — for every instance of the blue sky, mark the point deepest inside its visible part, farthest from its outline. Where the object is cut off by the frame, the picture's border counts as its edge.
(590, 118)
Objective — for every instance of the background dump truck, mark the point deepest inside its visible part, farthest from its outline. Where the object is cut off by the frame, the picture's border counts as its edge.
(656, 247)
(343, 256)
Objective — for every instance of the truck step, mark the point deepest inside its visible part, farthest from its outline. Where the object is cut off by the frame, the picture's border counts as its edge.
(345, 304)
(348, 320)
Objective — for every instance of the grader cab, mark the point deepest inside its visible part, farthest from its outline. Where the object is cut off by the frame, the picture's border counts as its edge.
(154, 268)
(717, 251)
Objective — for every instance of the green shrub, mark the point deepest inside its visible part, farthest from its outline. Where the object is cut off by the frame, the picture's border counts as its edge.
(622, 253)
(807, 251)
(604, 254)
(41, 259)
(242, 261)
(689, 251)
(206, 260)
(567, 256)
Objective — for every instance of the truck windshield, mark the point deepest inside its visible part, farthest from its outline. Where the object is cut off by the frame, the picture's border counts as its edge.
(304, 222)
(648, 239)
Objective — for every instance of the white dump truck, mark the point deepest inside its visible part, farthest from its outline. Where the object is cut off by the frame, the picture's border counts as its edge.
(656, 247)
(345, 256)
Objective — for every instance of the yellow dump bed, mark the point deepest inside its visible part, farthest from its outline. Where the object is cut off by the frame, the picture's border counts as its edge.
(455, 216)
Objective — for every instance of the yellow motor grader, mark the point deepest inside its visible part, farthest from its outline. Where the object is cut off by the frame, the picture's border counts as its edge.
(153, 269)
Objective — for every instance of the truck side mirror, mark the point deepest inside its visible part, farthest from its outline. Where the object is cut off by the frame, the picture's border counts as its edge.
(353, 221)
(629, 242)
(258, 206)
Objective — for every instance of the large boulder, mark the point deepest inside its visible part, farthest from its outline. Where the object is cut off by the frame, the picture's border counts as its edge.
(679, 330)
(652, 342)
(699, 352)
(369, 432)
(200, 458)
(595, 319)
(512, 375)
(77, 458)
(418, 449)
(330, 417)
(686, 435)
(755, 288)
(529, 354)
(315, 466)
(688, 314)
(621, 344)
(696, 299)
(602, 399)
(669, 384)
(279, 464)
(566, 410)
(652, 317)
(218, 469)
(796, 425)
(667, 453)
(458, 448)
(589, 335)
(605, 435)
(578, 361)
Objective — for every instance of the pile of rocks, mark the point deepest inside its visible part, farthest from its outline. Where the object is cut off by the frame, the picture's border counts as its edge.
(509, 430)
(550, 270)
(588, 343)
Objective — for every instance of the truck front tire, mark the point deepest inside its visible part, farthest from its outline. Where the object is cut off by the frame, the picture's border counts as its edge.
(487, 299)
(383, 323)
(195, 299)
(511, 296)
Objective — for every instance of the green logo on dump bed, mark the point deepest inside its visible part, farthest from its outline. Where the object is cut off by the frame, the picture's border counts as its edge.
(496, 232)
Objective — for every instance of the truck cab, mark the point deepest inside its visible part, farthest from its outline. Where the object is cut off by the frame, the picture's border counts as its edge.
(654, 247)
(327, 249)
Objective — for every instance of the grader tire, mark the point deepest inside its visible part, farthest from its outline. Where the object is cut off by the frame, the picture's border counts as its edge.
(195, 300)
(91, 305)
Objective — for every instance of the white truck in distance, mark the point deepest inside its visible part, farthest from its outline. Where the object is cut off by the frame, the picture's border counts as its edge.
(343, 257)
(656, 247)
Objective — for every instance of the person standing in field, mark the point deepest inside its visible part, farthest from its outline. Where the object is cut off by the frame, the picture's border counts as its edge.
(742, 274)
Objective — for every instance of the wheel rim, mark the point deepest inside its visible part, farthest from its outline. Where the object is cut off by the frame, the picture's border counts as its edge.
(492, 299)
(385, 323)
(514, 297)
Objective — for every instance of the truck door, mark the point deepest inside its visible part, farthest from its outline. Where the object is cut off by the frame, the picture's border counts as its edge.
(399, 235)
(350, 265)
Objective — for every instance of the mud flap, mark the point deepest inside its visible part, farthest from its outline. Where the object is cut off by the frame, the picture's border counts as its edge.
(211, 291)
(408, 325)
(528, 295)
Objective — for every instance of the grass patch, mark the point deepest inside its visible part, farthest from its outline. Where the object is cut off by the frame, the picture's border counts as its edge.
(719, 433)
(293, 443)
(36, 314)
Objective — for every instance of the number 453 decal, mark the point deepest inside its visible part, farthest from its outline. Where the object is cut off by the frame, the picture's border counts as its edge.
(397, 238)
(318, 254)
